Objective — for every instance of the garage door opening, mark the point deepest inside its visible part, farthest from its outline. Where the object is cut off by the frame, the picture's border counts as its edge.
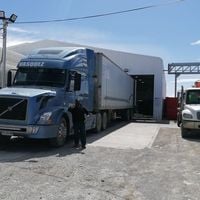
(144, 93)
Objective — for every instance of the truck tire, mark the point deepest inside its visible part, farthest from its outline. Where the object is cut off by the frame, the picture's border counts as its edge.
(184, 132)
(104, 120)
(126, 115)
(131, 114)
(61, 134)
(98, 122)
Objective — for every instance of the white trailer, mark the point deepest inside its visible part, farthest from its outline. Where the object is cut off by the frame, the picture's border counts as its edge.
(115, 87)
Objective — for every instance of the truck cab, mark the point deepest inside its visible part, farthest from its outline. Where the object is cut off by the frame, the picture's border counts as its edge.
(35, 105)
(189, 111)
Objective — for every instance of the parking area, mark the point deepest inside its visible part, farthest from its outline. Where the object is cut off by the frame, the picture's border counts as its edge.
(135, 161)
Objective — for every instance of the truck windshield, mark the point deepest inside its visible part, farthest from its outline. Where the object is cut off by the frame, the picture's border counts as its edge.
(40, 76)
(193, 97)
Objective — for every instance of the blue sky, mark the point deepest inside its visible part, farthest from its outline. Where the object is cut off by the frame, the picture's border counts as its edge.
(169, 31)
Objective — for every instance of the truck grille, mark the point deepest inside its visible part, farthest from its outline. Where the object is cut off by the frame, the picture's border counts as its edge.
(13, 108)
(198, 115)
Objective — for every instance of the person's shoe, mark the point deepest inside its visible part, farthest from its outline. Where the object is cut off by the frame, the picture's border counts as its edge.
(83, 147)
(76, 146)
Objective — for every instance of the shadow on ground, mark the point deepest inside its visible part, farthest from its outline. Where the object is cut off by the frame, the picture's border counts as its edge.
(193, 136)
(20, 149)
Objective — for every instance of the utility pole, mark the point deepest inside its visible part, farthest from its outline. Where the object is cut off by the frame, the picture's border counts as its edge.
(5, 22)
(3, 61)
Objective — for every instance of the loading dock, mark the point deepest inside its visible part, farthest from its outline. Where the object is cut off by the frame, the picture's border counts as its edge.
(144, 95)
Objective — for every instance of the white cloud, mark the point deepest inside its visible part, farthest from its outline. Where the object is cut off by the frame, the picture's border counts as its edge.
(195, 43)
(15, 41)
(18, 35)
(17, 30)
(21, 30)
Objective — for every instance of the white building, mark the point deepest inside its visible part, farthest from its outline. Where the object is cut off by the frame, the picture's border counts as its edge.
(147, 71)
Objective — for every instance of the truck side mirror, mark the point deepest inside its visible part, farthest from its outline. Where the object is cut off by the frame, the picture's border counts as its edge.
(77, 81)
(9, 78)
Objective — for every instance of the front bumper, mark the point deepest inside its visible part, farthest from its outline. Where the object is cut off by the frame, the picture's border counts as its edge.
(31, 131)
(191, 124)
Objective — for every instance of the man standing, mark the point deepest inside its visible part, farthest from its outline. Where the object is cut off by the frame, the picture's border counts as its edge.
(78, 118)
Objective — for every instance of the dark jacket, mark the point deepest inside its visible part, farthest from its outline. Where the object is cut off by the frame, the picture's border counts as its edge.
(78, 113)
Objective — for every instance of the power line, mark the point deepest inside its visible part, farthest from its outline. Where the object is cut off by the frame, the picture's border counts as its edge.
(99, 15)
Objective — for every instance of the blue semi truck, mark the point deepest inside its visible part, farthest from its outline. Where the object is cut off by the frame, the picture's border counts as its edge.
(35, 103)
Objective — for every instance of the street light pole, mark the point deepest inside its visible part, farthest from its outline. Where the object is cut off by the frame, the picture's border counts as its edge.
(3, 67)
(5, 21)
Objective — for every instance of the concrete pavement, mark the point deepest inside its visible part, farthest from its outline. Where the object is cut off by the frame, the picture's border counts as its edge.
(132, 136)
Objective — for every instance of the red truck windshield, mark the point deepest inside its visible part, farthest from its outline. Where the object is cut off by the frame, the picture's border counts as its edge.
(40, 76)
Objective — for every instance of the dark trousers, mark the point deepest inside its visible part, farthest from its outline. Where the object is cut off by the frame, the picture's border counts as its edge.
(79, 133)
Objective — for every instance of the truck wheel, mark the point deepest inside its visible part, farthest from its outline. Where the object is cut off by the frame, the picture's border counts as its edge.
(126, 115)
(98, 122)
(61, 134)
(184, 132)
(131, 114)
(104, 121)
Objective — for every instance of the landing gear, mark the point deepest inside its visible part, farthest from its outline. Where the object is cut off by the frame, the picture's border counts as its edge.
(104, 120)
(126, 115)
(98, 122)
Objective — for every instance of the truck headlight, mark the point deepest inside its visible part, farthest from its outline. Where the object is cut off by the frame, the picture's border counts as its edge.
(187, 115)
(45, 118)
